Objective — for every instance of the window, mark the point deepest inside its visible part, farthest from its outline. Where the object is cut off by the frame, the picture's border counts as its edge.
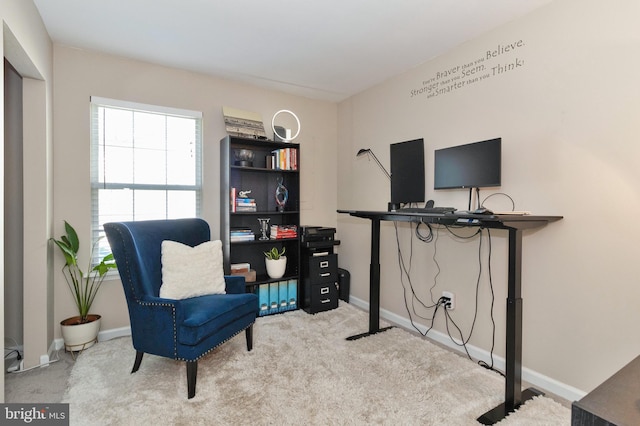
(145, 164)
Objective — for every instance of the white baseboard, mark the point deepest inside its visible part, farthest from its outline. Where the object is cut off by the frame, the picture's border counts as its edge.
(540, 381)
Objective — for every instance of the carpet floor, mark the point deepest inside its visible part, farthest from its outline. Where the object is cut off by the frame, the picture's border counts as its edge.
(301, 371)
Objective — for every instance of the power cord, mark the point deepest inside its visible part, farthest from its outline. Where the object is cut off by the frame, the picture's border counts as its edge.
(513, 203)
(51, 361)
(424, 238)
(404, 271)
(14, 366)
(493, 322)
(18, 355)
(463, 342)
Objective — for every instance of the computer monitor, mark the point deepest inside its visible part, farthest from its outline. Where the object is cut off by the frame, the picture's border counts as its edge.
(407, 172)
(474, 165)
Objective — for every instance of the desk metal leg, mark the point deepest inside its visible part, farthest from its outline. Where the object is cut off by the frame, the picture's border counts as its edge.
(374, 284)
(514, 395)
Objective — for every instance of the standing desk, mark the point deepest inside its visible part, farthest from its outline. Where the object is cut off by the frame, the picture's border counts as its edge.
(514, 224)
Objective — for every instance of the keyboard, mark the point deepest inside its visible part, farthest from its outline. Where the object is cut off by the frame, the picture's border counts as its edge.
(436, 210)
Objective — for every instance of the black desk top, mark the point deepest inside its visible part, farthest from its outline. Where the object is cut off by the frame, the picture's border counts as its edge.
(500, 221)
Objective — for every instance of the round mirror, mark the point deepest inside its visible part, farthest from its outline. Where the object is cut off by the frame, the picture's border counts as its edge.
(283, 132)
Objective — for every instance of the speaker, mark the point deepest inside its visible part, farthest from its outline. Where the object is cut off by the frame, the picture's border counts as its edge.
(344, 283)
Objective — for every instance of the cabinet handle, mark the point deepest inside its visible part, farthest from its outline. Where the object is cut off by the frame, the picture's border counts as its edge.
(324, 264)
(324, 290)
(326, 274)
(325, 301)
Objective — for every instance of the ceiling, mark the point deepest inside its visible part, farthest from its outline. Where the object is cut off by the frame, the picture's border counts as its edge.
(323, 49)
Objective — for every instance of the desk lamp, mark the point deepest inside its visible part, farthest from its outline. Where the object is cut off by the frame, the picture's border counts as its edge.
(391, 206)
(369, 152)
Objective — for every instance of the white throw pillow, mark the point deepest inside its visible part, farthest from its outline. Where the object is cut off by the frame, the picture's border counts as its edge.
(191, 271)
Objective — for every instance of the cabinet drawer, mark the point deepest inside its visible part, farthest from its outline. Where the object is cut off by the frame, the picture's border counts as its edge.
(324, 297)
(323, 268)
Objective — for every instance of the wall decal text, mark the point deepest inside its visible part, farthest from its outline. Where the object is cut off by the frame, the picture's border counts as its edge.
(493, 62)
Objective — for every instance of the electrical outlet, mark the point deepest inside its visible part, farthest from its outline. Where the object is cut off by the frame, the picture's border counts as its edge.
(450, 300)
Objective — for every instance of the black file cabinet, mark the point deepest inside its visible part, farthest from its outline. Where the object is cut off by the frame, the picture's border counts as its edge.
(319, 270)
(320, 276)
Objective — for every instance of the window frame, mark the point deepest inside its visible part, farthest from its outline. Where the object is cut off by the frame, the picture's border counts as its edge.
(97, 184)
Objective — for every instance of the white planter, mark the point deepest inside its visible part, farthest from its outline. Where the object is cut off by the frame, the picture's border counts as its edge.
(276, 268)
(79, 336)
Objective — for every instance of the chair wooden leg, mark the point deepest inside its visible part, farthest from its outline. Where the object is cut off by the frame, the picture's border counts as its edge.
(137, 362)
(192, 372)
(249, 336)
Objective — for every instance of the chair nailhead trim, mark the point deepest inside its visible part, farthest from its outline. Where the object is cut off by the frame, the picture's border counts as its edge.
(231, 337)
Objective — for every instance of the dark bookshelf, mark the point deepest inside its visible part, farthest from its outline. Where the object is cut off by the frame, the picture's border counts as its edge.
(262, 180)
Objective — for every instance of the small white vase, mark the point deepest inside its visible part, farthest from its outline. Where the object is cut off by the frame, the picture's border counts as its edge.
(276, 267)
(79, 336)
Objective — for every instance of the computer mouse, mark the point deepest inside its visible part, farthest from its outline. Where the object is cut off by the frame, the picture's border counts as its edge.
(482, 210)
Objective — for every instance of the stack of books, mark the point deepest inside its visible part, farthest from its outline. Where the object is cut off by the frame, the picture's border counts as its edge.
(242, 204)
(241, 234)
(244, 269)
(283, 231)
(245, 205)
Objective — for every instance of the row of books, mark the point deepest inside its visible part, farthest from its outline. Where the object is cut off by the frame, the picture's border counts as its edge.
(241, 234)
(277, 297)
(283, 231)
(284, 159)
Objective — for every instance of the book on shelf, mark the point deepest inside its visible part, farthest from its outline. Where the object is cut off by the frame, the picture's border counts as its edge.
(233, 200)
(245, 205)
(283, 231)
(284, 159)
(240, 231)
(240, 267)
(242, 238)
(245, 201)
(263, 299)
(241, 234)
(274, 295)
(292, 294)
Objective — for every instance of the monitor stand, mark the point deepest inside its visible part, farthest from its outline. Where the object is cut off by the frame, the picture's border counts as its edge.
(393, 207)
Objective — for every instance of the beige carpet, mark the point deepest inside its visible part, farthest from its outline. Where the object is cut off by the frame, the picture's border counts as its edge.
(301, 371)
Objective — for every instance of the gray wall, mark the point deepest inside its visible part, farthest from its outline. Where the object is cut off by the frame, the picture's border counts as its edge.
(13, 207)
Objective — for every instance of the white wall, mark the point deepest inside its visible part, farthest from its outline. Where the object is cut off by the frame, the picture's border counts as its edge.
(80, 74)
(568, 116)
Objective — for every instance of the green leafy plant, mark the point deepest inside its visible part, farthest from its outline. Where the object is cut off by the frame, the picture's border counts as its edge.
(274, 254)
(84, 287)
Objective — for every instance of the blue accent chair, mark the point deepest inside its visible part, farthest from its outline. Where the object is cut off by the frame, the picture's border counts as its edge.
(183, 330)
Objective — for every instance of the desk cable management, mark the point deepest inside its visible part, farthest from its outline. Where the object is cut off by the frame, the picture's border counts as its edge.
(435, 305)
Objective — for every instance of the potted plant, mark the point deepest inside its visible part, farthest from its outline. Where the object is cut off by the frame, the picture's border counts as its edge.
(276, 262)
(81, 331)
